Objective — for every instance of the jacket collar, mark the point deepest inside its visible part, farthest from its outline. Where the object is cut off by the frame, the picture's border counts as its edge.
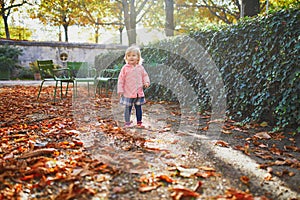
(131, 66)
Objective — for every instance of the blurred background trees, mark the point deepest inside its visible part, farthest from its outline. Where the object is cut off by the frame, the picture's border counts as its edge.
(6, 9)
(181, 16)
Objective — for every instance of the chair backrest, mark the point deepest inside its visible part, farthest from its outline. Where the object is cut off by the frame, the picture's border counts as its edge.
(116, 74)
(80, 70)
(46, 68)
(109, 73)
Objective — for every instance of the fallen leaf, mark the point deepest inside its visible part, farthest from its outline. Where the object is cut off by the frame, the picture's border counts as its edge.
(37, 152)
(205, 116)
(207, 168)
(206, 174)
(204, 128)
(166, 179)
(240, 130)
(28, 177)
(264, 156)
(222, 143)
(226, 132)
(147, 188)
(293, 148)
(276, 151)
(291, 173)
(198, 187)
(262, 135)
(119, 190)
(183, 192)
(278, 136)
(187, 172)
(245, 180)
(216, 121)
(247, 149)
(268, 177)
(236, 194)
(282, 173)
(263, 145)
(264, 124)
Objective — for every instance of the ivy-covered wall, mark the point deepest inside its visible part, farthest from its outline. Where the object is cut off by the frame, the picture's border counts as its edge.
(260, 63)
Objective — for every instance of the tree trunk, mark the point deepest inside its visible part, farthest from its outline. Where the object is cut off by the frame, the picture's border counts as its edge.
(59, 34)
(132, 31)
(250, 8)
(6, 27)
(169, 10)
(121, 35)
(66, 33)
(130, 20)
(131, 36)
(97, 35)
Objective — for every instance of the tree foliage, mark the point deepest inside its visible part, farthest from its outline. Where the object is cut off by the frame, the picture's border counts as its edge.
(7, 8)
(192, 14)
(276, 5)
(195, 12)
(182, 16)
(57, 13)
(94, 13)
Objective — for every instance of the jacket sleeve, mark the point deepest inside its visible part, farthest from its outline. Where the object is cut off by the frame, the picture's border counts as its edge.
(121, 81)
(146, 78)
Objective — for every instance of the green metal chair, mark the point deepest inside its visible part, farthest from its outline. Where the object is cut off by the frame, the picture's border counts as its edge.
(82, 73)
(46, 68)
(50, 73)
(107, 79)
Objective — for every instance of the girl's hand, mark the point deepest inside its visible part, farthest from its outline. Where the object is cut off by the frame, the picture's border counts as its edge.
(146, 85)
(120, 94)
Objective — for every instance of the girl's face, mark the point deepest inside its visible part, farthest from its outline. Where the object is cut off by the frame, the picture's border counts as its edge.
(132, 58)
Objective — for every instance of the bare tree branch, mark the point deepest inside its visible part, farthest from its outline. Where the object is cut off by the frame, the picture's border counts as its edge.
(141, 7)
(145, 12)
(212, 7)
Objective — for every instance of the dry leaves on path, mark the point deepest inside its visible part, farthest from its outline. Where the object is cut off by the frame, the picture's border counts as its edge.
(43, 157)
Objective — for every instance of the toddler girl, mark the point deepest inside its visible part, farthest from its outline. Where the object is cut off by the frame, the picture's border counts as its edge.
(132, 78)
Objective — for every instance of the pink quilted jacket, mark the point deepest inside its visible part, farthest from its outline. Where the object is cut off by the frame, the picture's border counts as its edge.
(131, 81)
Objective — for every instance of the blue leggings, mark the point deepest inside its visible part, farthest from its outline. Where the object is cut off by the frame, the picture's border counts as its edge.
(138, 112)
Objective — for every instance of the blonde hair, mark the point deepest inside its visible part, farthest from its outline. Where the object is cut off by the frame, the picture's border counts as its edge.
(134, 49)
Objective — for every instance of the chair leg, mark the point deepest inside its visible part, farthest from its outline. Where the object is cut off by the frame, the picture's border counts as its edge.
(67, 89)
(55, 91)
(76, 88)
(101, 88)
(40, 89)
(61, 93)
(98, 87)
(72, 83)
(95, 87)
(107, 88)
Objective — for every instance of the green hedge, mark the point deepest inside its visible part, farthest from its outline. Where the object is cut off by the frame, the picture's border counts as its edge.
(259, 60)
(8, 60)
(109, 59)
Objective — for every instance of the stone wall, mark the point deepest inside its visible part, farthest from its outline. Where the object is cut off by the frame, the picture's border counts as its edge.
(56, 51)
